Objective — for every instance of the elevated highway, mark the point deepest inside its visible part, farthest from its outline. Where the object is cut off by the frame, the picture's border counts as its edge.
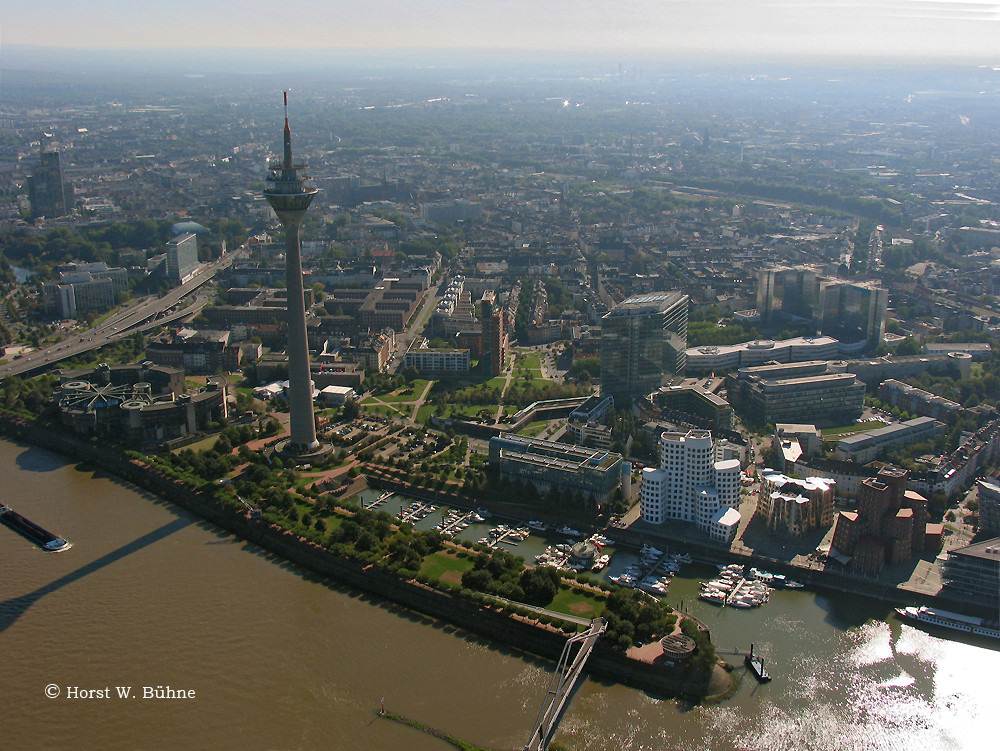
(139, 315)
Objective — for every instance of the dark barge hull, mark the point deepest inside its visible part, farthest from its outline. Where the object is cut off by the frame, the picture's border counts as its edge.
(756, 666)
(31, 531)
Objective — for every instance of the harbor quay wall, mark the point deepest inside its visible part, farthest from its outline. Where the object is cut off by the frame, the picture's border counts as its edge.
(488, 622)
(817, 579)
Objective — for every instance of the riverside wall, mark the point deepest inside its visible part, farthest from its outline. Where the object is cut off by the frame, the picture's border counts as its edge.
(484, 621)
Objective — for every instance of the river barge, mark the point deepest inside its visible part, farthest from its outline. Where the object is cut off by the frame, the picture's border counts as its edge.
(756, 665)
(956, 621)
(31, 531)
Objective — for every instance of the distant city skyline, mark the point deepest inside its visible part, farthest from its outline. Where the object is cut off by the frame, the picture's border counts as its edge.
(636, 29)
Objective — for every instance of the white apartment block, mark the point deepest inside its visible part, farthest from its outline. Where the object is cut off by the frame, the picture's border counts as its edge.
(442, 361)
(691, 486)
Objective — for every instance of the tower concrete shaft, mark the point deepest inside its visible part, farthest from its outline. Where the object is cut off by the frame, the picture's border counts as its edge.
(290, 197)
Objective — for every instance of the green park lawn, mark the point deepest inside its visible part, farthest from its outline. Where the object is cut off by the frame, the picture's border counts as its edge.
(496, 383)
(198, 446)
(414, 390)
(576, 602)
(437, 564)
(397, 398)
(332, 521)
(535, 384)
(386, 410)
(529, 362)
(532, 429)
(379, 401)
(424, 413)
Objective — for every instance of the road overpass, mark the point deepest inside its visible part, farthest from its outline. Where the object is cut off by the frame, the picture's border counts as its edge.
(140, 315)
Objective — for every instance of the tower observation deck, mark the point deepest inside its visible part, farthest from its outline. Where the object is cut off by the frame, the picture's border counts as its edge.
(289, 196)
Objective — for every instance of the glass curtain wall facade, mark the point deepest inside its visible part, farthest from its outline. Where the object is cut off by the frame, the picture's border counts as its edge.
(643, 343)
(791, 291)
(853, 312)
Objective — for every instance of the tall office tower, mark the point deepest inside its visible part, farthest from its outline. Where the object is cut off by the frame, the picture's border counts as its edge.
(182, 257)
(690, 486)
(643, 340)
(853, 312)
(787, 291)
(494, 339)
(290, 197)
(50, 193)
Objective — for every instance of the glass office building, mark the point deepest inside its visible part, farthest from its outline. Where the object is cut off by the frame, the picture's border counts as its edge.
(787, 291)
(643, 343)
(594, 474)
(853, 312)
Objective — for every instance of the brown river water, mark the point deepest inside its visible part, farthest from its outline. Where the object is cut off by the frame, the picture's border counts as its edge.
(149, 596)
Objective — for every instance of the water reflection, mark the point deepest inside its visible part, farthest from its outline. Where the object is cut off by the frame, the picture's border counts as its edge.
(249, 632)
(14, 608)
(878, 686)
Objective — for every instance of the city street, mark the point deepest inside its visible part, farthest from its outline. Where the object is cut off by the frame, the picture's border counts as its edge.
(137, 315)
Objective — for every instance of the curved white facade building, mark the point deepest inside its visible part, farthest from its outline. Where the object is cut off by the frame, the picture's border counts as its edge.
(651, 495)
(689, 486)
(717, 358)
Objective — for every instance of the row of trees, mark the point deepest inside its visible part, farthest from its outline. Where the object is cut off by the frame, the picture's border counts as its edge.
(28, 397)
(470, 395)
(705, 333)
(875, 209)
(522, 395)
(40, 252)
(969, 392)
(502, 574)
(586, 369)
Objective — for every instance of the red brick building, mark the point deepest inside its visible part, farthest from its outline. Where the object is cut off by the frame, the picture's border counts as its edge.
(890, 526)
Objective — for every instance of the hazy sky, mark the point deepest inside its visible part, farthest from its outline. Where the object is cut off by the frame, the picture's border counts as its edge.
(922, 29)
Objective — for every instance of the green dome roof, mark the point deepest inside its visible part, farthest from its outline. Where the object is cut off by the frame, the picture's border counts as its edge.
(193, 227)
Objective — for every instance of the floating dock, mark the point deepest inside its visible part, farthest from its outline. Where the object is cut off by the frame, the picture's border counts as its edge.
(756, 665)
(31, 531)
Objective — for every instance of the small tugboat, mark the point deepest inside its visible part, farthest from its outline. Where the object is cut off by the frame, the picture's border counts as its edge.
(756, 665)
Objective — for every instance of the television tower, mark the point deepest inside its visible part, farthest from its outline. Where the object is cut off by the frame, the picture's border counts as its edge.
(290, 197)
